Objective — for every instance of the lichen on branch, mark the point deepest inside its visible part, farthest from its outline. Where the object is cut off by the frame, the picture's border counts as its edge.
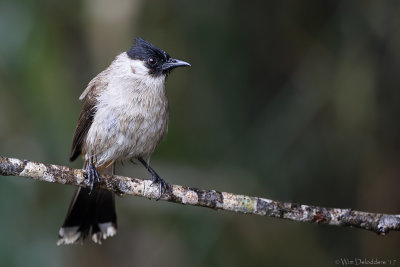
(376, 222)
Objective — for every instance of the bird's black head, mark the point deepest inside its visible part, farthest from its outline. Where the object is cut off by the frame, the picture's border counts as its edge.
(156, 60)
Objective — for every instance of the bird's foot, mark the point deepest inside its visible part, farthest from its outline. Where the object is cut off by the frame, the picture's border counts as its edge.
(162, 185)
(156, 179)
(92, 175)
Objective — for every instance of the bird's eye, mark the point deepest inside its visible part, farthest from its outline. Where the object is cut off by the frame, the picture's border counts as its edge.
(152, 60)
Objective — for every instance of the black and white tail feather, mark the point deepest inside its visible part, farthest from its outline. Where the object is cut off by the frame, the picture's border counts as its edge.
(93, 212)
(90, 212)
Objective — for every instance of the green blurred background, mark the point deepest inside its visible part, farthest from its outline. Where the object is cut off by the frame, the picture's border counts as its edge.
(291, 100)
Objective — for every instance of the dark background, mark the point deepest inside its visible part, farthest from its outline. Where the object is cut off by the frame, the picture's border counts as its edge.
(291, 100)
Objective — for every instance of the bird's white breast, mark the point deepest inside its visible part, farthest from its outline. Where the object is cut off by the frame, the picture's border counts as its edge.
(131, 114)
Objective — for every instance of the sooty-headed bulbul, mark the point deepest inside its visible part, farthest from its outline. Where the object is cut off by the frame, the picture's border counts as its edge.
(124, 117)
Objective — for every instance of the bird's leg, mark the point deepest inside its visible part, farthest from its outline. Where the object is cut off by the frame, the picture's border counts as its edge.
(156, 179)
(91, 174)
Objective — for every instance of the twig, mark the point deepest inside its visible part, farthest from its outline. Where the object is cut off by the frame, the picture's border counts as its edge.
(376, 222)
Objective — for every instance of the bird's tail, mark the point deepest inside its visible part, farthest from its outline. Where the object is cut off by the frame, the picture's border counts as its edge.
(93, 211)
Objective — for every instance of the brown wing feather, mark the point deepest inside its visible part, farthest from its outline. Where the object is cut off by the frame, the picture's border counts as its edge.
(84, 122)
(95, 86)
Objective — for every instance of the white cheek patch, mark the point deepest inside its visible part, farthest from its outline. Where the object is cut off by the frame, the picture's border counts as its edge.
(138, 67)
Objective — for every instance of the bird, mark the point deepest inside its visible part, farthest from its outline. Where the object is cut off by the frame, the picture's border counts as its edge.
(124, 117)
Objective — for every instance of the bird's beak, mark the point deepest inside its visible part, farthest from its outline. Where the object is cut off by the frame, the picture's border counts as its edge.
(174, 63)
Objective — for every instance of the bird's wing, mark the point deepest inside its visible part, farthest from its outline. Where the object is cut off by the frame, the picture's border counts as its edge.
(95, 86)
(84, 122)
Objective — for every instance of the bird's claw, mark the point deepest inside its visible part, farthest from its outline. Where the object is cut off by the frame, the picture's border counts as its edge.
(156, 179)
(162, 185)
(92, 175)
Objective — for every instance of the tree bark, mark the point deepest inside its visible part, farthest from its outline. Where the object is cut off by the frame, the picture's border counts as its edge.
(377, 222)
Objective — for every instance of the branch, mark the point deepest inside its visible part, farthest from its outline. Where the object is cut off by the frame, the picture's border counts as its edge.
(376, 222)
